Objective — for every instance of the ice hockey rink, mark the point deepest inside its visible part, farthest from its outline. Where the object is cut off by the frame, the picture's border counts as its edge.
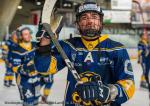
(10, 96)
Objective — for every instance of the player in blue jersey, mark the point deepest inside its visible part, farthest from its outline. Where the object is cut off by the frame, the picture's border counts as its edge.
(103, 64)
(9, 75)
(27, 78)
(143, 51)
(46, 82)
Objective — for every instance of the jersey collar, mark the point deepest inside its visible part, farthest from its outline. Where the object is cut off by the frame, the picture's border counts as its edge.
(27, 47)
(90, 45)
(144, 41)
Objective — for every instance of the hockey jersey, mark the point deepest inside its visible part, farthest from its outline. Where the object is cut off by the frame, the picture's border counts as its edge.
(104, 56)
(10, 45)
(22, 56)
(143, 50)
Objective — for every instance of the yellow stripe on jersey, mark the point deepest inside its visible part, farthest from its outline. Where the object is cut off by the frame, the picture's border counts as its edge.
(18, 79)
(128, 86)
(139, 52)
(46, 92)
(145, 42)
(115, 48)
(5, 47)
(52, 68)
(26, 46)
(15, 69)
(103, 49)
(33, 73)
(143, 78)
(90, 45)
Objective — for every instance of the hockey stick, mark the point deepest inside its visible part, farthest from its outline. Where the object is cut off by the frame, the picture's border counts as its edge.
(47, 12)
(61, 51)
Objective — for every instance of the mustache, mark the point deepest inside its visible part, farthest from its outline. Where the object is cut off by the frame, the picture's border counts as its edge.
(89, 27)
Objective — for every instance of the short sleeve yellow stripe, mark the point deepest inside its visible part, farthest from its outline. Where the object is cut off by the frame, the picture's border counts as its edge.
(53, 66)
(15, 69)
(128, 86)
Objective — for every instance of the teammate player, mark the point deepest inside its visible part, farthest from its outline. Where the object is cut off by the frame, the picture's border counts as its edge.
(23, 65)
(143, 51)
(103, 64)
(9, 75)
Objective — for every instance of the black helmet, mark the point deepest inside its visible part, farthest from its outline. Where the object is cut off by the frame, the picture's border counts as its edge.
(89, 6)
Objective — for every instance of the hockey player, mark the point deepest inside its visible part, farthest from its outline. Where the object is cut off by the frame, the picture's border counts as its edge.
(46, 76)
(143, 51)
(23, 65)
(9, 75)
(46, 81)
(103, 64)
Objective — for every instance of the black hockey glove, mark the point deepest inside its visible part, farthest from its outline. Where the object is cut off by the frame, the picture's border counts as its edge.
(28, 69)
(91, 91)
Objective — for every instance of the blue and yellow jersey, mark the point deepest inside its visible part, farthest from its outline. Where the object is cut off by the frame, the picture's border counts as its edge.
(11, 45)
(104, 56)
(49, 67)
(7, 47)
(23, 55)
(143, 50)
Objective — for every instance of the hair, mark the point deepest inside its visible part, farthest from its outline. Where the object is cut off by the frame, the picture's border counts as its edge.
(25, 28)
(89, 6)
(13, 32)
(21, 31)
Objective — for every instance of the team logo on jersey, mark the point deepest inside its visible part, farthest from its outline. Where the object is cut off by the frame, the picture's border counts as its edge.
(80, 53)
(104, 61)
(89, 58)
(128, 67)
(28, 94)
(73, 56)
(17, 61)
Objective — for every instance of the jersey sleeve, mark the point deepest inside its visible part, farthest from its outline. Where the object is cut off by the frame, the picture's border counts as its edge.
(15, 60)
(51, 64)
(123, 76)
(45, 64)
(140, 49)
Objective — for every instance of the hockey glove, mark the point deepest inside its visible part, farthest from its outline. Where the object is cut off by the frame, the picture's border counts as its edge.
(94, 90)
(28, 69)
